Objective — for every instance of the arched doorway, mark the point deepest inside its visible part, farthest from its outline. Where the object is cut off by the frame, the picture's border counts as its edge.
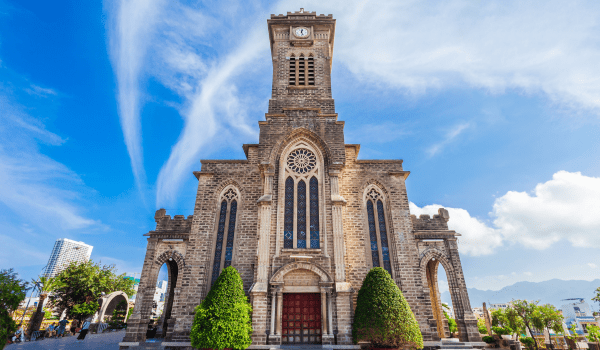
(434, 280)
(164, 295)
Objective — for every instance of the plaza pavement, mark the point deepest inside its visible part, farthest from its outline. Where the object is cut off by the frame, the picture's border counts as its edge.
(108, 341)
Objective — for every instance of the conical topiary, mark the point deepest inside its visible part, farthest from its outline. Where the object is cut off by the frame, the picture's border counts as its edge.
(223, 319)
(383, 316)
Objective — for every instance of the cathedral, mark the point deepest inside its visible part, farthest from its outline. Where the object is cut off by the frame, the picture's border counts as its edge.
(302, 219)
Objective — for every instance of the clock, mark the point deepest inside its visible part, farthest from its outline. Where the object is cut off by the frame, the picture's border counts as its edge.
(301, 32)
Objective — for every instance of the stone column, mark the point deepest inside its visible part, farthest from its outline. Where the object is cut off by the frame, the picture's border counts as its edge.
(264, 204)
(259, 291)
(324, 312)
(140, 317)
(279, 310)
(465, 320)
(273, 312)
(338, 227)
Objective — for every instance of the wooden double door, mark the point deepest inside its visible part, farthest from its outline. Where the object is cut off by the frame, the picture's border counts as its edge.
(301, 318)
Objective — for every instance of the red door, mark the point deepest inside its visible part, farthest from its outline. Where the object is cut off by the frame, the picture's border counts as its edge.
(301, 319)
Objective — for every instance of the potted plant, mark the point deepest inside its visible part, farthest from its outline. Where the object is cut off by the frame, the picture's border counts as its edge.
(383, 316)
(223, 319)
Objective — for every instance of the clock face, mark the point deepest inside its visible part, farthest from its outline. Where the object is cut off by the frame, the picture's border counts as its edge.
(301, 32)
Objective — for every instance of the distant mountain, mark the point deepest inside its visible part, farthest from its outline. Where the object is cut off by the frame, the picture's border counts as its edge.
(547, 292)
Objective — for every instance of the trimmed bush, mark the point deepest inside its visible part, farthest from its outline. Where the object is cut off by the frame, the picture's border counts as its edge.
(488, 339)
(223, 319)
(528, 342)
(383, 316)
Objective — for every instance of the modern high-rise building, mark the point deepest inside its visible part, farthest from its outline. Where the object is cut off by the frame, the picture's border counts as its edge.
(64, 252)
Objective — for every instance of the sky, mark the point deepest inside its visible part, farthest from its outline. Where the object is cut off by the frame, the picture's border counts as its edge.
(107, 107)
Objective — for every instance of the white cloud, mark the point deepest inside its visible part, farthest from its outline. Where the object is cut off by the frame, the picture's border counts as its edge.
(563, 208)
(592, 265)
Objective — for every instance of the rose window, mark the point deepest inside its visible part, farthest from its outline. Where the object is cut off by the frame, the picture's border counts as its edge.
(301, 161)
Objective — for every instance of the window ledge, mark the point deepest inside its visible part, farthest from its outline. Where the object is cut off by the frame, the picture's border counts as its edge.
(301, 250)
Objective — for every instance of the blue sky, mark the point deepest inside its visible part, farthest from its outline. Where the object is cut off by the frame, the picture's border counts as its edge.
(107, 108)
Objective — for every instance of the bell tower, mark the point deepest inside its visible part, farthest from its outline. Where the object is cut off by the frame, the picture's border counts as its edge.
(301, 49)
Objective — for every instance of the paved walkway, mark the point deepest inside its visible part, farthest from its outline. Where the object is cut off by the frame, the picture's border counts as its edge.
(108, 341)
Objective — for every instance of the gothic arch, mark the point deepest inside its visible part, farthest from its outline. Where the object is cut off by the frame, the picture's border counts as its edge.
(300, 265)
(225, 186)
(373, 182)
(293, 137)
(433, 253)
(171, 255)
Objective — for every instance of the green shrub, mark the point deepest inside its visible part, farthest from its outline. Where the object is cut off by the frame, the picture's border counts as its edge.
(502, 331)
(223, 319)
(488, 339)
(528, 342)
(481, 326)
(383, 316)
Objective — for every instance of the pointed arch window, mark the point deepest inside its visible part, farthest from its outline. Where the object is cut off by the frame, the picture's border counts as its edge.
(301, 202)
(379, 245)
(225, 242)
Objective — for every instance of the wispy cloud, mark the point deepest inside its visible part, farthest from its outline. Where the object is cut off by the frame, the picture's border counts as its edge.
(450, 136)
(184, 61)
(131, 32)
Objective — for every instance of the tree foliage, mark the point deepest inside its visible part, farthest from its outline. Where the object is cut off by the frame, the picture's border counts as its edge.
(81, 284)
(526, 310)
(593, 333)
(547, 317)
(12, 291)
(383, 316)
(481, 326)
(223, 319)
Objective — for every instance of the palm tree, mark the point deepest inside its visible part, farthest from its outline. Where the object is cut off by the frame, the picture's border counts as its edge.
(45, 285)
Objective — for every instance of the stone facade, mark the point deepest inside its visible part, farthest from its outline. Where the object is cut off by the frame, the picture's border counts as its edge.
(301, 214)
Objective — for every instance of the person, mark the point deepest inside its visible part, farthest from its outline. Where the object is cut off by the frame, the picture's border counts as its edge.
(50, 331)
(62, 324)
(74, 325)
(19, 334)
(84, 329)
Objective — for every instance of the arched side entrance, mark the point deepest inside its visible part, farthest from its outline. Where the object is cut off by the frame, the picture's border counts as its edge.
(165, 322)
(109, 304)
(443, 330)
(462, 310)
(301, 305)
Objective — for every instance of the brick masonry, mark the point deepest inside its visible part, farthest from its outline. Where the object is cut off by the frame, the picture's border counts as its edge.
(302, 116)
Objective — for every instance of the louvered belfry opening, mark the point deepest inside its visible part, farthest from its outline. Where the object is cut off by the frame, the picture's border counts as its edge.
(311, 70)
(292, 70)
(301, 70)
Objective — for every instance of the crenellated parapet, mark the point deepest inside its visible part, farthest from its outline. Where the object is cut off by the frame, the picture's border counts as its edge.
(177, 224)
(425, 222)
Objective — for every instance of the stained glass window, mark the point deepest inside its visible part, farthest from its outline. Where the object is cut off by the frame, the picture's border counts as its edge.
(314, 213)
(230, 234)
(301, 217)
(385, 252)
(372, 234)
(288, 226)
(219, 245)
